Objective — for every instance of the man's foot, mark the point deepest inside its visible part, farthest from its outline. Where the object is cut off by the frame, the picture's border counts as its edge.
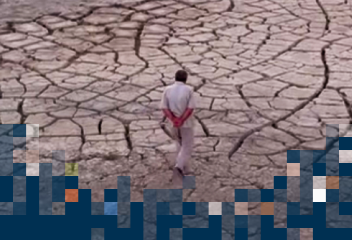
(188, 172)
(180, 171)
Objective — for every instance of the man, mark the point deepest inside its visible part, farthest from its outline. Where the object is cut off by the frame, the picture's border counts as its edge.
(178, 105)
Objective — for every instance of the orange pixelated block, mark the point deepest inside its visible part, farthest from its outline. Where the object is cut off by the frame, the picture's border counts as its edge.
(332, 182)
(267, 208)
(293, 169)
(71, 195)
(241, 208)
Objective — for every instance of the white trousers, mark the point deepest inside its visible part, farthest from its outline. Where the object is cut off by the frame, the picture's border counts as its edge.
(184, 138)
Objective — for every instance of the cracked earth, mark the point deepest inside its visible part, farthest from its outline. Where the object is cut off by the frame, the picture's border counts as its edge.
(268, 76)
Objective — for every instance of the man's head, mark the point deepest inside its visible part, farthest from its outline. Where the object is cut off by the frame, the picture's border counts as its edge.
(181, 76)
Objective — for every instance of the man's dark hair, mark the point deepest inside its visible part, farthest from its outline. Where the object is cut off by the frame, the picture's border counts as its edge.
(181, 76)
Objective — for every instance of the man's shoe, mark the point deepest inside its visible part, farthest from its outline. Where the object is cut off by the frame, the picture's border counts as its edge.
(177, 178)
(188, 173)
(179, 171)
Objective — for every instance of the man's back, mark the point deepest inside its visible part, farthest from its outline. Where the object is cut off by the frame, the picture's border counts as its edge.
(177, 98)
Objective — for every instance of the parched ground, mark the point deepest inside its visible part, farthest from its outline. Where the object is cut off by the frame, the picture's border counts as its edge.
(268, 76)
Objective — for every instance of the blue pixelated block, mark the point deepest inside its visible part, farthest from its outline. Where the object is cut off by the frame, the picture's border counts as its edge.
(6, 189)
(19, 189)
(267, 195)
(293, 208)
(176, 208)
(332, 195)
(81, 208)
(176, 195)
(253, 195)
(280, 182)
(32, 190)
(319, 169)
(319, 156)
(19, 208)
(267, 221)
(163, 195)
(45, 170)
(293, 234)
(334, 219)
(19, 130)
(332, 162)
(6, 149)
(196, 222)
(293, 156)
(6, 166)
(241, 221)
(345, 169)
(71, 182)
(19, 169)
(345, 143)
(228, 226)
(85, 196)
(110, 195)
(19, 143)
(241, 234)
(228, 208)
(254, 224)
(149, 205)
(6, 139)
(275, 234)
(110, 208)
(97, 234)
(163, 208)
(241, 195)
(345, 183)
(280, 195)
(97, 208)
(45, 208)
(189, 182)
(124, 188)
(189, 208)
(345, 208)
(175, 233)
(6, 208)
(58, 188)
(202, 209)
(5, 128)
(332, 141)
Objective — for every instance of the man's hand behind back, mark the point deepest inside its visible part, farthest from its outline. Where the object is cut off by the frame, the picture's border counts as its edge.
(177, 122)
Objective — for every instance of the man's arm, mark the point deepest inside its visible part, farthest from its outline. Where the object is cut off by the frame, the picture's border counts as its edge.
(169, 114)
(165, 107)
(178, 122)
(188, 112)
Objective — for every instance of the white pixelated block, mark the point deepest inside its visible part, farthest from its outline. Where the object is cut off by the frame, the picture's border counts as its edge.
(319, 195)
(345, 156)
(32, 130)
(319, 182)
(345, 130)
(32, 169)
(215, 208)
(349, 133)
